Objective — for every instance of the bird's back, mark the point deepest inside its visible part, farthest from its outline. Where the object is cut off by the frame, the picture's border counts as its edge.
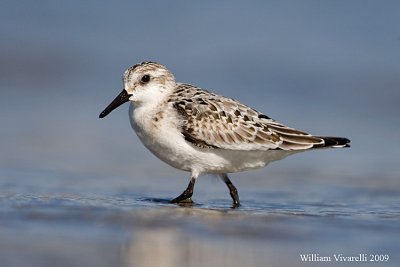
(216, 122)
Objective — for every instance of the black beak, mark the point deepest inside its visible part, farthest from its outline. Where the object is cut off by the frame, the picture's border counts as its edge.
(122, 98)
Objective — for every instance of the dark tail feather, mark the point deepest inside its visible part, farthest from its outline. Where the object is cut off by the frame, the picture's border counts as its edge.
(334, 141)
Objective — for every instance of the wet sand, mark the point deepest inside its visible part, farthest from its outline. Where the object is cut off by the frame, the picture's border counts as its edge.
(64, 229)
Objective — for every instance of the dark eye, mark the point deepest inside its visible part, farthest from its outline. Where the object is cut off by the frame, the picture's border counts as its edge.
(145, 78)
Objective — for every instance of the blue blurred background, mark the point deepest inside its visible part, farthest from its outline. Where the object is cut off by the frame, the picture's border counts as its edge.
(326, 67)
(73, 187)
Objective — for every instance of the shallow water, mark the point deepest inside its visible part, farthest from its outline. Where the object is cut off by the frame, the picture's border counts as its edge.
(270, 228)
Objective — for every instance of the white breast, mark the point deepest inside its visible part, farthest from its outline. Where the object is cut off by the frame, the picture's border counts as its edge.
(164, 139)
(161, 136)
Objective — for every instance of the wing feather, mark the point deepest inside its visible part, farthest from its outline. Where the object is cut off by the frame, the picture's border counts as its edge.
(213, 121)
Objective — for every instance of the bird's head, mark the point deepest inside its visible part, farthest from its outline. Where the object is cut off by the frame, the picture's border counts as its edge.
(143, 83)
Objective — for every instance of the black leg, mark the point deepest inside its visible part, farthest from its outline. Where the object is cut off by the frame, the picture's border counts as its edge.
(232, 190)
(186, 196)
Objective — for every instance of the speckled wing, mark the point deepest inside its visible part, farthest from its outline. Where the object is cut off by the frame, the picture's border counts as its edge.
(214, 121)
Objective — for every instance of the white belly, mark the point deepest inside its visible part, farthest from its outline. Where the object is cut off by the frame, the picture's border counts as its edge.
(165, 141)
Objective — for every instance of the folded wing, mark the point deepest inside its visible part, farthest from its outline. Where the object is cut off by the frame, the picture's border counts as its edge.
(213, 121)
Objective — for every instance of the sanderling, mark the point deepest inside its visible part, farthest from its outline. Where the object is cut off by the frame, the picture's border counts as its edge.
(200, 132)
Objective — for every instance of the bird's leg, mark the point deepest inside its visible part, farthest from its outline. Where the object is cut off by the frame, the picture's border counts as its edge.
(186, 196)
(232, 190)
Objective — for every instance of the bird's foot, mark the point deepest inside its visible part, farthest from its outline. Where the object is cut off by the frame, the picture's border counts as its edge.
(235, 204)
(181, 200)
(184, 198)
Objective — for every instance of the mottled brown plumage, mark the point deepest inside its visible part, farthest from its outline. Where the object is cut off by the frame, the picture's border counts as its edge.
(214, 121)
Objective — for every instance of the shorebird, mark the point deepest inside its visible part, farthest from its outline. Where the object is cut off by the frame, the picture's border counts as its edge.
(195, 130)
